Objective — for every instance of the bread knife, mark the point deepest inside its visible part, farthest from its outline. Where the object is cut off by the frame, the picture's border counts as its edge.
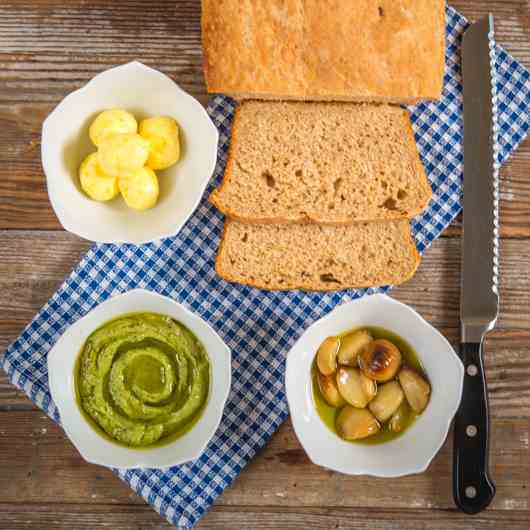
(473, 488)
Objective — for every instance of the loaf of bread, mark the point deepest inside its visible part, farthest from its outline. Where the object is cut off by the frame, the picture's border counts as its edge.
(328, 163)
(315, 257)
(354, 50)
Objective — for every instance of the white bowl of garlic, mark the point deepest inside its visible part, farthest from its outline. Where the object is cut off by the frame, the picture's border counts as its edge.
(346, 441)
(154, 143)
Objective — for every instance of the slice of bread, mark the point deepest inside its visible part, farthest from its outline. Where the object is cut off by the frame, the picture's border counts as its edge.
(315, 257)
(384, 50)
(328, 163)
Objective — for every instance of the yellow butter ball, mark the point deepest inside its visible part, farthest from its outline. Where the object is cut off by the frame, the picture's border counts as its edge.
(123, 153)
(95, 182)
(140, 188)
(113, 121)
(163, 135)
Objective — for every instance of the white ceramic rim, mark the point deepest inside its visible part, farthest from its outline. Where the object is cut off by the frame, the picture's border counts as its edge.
(322, 446)
(47, 163)
(94, 447)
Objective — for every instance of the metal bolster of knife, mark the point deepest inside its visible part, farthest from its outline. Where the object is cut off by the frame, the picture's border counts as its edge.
(474, 333)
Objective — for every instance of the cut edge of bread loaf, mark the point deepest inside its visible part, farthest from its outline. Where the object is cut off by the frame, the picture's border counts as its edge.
(236, 268)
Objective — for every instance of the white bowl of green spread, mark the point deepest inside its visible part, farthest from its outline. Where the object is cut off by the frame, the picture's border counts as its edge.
(382, 455)
(140, 382)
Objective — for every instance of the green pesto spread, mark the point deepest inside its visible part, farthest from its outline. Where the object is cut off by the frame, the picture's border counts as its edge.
(142, 379)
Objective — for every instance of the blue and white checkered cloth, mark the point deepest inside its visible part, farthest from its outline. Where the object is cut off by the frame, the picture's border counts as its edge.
(258, 326)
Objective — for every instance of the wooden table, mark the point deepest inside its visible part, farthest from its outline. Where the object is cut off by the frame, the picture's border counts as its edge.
(51, 47)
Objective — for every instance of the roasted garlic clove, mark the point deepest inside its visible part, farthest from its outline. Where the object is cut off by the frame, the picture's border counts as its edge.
(327, 355)
(417, 389)
(352, 345)
(352, 387)
(399, 419)
(369, 387)
(354, 424)
(380, 360)
(389, 398)
(328, 388)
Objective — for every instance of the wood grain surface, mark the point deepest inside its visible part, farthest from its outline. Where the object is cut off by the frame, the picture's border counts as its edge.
(51, 47)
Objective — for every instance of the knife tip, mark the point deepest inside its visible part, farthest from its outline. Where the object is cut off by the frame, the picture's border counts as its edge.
(484, 26)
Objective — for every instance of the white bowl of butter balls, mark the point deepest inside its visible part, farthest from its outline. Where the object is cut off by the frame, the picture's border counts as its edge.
(128, 156)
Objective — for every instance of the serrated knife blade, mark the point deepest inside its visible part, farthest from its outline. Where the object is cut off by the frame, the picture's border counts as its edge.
(479, 302)
(479, 295)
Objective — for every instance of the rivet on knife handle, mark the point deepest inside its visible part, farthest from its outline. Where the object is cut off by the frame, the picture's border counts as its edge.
(473, 489)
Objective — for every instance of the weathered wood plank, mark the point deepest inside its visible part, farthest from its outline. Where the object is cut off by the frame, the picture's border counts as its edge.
(41, 59)
(58, 48)
(33, 451)
(30, 272)
(24, 201)
(95, 517)
(11, 398)
(507, 370)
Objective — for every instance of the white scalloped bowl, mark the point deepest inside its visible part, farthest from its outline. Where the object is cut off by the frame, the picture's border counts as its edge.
(65, 143)
(416, 447)
(94, 447)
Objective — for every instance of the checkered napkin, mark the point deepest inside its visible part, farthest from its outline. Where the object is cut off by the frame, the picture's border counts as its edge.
(258, 326)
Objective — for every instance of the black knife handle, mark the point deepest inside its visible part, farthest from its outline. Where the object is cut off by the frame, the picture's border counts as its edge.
(473, 489)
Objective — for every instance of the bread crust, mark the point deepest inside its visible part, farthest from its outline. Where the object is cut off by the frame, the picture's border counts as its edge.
(390, 50)
(216, 195)
(344, 99)
(306, 287)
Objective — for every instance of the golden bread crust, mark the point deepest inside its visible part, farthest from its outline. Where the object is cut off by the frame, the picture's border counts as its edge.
(389, 50)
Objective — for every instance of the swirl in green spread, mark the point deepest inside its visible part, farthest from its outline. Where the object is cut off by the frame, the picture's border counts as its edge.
(143, 378)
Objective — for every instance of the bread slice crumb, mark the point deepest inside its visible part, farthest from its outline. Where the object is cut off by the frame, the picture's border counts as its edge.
(316, 257)
(327, 163)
